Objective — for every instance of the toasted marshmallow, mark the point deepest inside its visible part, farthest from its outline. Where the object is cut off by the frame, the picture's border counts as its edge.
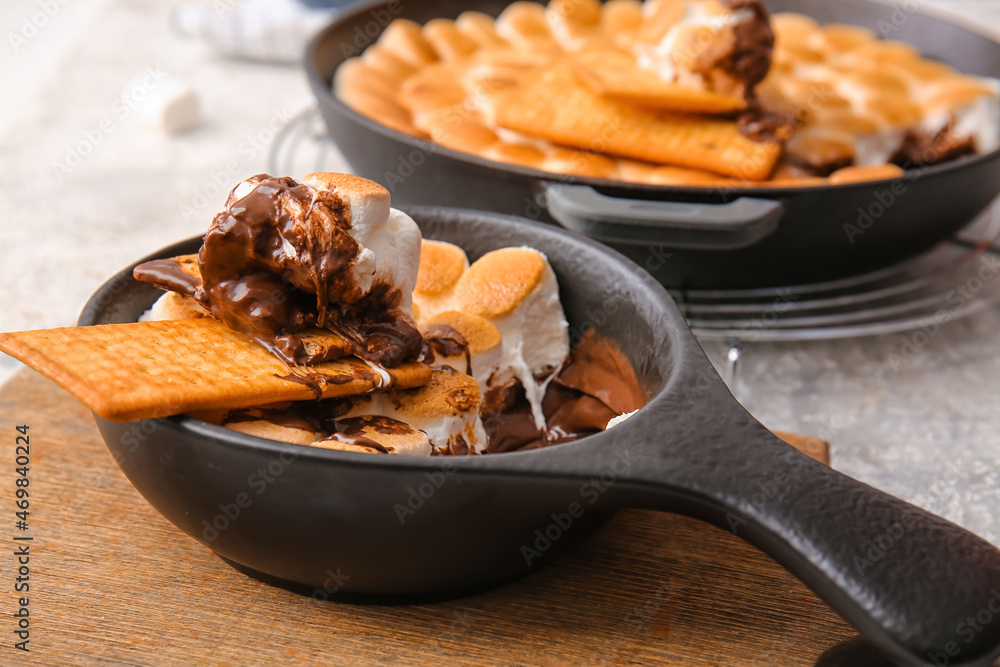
(434, 87)
(173, 306)
(524, 25)
(878, 94)
(440, 266)
(480, 28)
(405, 40)
(695, 34)
(574, 23)
(356, 74)
(446, 409)
(484, 342)
(449, 42)
(516, 289)
(615, 421)
(970, 105)
(383, 232)
(272, 431)
(272, 422)
(376, 434)
(621, 19)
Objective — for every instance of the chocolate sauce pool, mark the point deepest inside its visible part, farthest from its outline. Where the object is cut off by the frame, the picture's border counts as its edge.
(595, 385)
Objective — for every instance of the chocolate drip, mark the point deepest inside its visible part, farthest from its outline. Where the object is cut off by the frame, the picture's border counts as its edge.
(507, 419)
(359, 440)
(595, 385)
(353, 429)
(444, 341)
(279, 259)
(750, 59)
(760, 125)
(316, 381)
(377, 423)
(167, 274)
(379, 333)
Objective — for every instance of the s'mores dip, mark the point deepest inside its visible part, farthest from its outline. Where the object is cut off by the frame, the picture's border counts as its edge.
(315, 314)
(695, 93)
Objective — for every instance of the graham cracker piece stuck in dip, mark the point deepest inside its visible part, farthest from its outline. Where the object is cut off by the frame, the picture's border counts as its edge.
(139, 370)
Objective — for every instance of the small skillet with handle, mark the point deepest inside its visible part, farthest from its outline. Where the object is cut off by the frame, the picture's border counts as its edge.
(409, 525)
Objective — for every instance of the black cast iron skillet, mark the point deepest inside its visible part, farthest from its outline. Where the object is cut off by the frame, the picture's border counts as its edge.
(686, 236)
(356, 523)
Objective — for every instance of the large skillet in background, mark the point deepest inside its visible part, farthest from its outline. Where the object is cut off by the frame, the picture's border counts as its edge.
(906, 579)
(686, 236)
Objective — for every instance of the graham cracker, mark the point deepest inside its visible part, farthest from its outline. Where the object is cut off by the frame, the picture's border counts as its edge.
(615, 74)
(554, 104)
(139, 370)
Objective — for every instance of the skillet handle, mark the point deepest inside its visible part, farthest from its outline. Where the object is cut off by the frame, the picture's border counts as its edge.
(922, 589)
(737, 224)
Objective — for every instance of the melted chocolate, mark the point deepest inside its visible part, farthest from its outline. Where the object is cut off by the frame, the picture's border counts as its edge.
(359, 440)
(167, 274)
(507, 419)
(595, 385)
(750, 59)
(444, 341)
(377, 423)
(279, 417)
(278, 261)
(316, 381)
(922, 151)
(759, 125)
(821, 170)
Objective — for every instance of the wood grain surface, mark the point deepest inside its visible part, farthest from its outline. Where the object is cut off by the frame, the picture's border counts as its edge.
(112, 582)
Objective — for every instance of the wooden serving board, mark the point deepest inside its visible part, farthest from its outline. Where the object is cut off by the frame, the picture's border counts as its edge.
(111, 581)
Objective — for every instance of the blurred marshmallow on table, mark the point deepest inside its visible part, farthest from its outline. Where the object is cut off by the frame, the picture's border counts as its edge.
(168, 105)
(270, 31)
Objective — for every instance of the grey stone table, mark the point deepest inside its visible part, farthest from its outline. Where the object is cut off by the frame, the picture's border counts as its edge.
(927, 430)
